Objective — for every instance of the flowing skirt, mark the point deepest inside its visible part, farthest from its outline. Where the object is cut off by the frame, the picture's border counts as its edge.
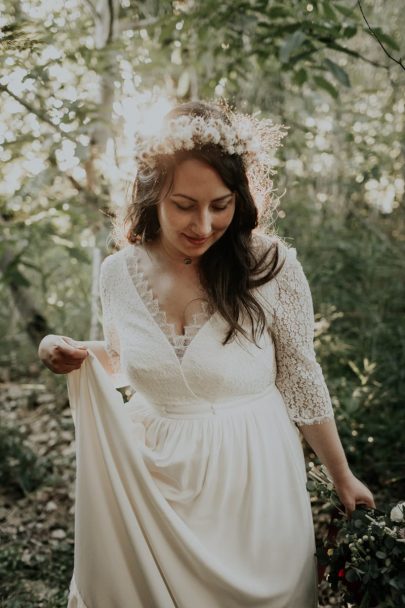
(196, 509)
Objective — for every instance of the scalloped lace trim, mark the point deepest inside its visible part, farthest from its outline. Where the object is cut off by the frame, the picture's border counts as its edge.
(179, 342)
(314, 420)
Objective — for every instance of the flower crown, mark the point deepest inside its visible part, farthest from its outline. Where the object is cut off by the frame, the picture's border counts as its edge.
(245, 135)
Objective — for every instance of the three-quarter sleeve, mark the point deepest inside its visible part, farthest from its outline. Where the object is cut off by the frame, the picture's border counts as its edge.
(299, 376)
(111, 337)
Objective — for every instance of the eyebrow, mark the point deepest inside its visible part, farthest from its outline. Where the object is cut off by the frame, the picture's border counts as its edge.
(214, 200)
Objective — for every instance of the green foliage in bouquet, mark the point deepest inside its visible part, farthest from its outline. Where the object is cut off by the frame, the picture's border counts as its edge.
(363, 557)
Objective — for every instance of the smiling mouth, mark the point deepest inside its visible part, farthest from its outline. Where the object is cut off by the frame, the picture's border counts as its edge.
(196, 240)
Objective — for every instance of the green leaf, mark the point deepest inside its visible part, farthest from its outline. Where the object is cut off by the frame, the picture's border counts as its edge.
(349, 31)
(386, 38)
(300, 77)
(347, 12)
(389, 542)
(30, 265)
(58, 240)
(292, 43)
(79, 254)
(351, 576)
(13, 275)
(311, 486)
(339, 73)
(329, 12)
(277, 11)
(326, 85)
(381, 554)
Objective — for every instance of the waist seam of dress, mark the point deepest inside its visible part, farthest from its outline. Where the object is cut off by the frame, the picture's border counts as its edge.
(210, 408)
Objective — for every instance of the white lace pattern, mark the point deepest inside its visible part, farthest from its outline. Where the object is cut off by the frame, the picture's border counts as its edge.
(179, 342)
(290, 321)
(299, 376)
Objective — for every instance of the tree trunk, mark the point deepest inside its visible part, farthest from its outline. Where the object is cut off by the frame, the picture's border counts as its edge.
(105, 29)
(33, 320)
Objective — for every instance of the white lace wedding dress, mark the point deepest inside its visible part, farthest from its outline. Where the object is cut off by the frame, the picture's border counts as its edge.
(193, 494)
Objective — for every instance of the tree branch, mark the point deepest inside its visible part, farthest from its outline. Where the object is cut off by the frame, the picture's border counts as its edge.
(378, 40)
(75, 183)
(111, 21)
(41, 115)
(128, 24)
(352, 53)
(337, 47)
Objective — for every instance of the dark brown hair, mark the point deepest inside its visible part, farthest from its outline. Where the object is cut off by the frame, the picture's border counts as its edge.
(229, 268)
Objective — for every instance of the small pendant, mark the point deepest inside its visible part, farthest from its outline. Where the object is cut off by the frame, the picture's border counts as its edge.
(187, 260)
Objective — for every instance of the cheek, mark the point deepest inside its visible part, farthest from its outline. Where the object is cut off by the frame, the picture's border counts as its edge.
(170, 218)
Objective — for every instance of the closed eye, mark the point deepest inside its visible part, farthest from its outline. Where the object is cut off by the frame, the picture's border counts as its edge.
(188, 208)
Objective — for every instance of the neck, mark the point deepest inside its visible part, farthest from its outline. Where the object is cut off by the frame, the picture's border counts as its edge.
(174, 258)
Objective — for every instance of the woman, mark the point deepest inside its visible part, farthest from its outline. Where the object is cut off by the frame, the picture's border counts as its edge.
(193, 494)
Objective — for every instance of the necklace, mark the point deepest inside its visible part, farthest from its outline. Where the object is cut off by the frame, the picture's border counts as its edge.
(203, 296)
(186, 260)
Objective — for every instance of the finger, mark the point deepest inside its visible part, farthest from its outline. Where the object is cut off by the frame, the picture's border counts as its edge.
(74, 343)
(79, 354)
(350, 507)
(70, 366)
(59, 361)
(66, 369)
(73, 351)
(368, 501)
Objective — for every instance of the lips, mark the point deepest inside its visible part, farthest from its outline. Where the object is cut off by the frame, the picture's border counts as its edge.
(194, 240)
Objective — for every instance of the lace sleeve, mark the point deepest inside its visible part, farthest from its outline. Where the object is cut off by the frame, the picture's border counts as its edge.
(299, 376)
(111, 338)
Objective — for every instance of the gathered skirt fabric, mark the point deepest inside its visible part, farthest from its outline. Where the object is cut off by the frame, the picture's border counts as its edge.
(188, 508)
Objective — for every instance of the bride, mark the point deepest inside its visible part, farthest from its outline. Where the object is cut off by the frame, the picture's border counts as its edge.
(194, 492)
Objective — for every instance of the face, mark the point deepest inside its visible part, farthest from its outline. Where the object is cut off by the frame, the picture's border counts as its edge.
(199, 205)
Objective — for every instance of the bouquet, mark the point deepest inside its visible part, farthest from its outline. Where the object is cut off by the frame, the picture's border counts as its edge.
(363, 557)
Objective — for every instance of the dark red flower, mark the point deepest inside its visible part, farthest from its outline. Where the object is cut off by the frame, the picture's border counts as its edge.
(341, 573)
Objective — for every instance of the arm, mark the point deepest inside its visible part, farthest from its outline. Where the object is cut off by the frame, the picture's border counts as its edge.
(62, 354)
(301, 381)
(324, 440)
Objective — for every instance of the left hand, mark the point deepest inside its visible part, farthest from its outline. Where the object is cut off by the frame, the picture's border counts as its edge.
(352, 492)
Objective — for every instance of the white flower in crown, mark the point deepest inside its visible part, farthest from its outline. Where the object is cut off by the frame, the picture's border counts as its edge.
(253, 146)
(244, 135)
(180, 121)
(245, 130)
(189, 144)
(212, 135)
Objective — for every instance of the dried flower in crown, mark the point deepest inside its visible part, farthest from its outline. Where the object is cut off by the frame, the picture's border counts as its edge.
(246, 136)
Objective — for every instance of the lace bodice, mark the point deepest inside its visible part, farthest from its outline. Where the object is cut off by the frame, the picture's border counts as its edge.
(180, 342)
(137, 335)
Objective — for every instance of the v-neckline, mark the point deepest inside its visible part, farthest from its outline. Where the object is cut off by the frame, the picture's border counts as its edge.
(138, 277)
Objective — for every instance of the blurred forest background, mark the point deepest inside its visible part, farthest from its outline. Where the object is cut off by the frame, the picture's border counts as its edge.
(77, 80)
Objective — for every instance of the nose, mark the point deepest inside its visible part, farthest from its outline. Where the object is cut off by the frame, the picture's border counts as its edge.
(202, 225)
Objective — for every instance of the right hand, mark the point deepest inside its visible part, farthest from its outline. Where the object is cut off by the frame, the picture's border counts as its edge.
(61, 354)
